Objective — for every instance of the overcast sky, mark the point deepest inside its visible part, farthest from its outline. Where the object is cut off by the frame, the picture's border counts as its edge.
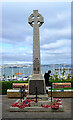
(55, 33)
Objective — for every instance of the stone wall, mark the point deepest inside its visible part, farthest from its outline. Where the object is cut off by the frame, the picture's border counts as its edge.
(61, 94)
(14, 94)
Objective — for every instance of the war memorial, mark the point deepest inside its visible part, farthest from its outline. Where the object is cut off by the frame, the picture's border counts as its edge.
(36, 20)
(37, 99)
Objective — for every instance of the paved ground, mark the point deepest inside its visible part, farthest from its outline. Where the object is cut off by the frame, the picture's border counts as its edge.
(7, 102)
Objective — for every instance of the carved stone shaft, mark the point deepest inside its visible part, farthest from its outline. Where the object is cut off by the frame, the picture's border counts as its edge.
(36, 20)
(37, 80)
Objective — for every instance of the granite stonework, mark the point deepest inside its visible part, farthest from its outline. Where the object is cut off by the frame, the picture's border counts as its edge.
(37, 81)
(39, 97)
(61, 94)
(37, 107)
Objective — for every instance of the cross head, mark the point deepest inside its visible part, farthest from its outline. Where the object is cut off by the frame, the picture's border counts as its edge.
(35, 18)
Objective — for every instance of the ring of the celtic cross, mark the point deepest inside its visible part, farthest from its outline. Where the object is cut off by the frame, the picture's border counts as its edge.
(39, 19)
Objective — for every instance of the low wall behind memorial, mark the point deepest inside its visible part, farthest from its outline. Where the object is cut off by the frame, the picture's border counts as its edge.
(61, 93)
(61, 85)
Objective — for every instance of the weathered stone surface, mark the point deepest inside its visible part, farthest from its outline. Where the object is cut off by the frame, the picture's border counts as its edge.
(39, 97)
(39, 103)
(36, 20)
(61, 94)
(31, 109)
(36, 83)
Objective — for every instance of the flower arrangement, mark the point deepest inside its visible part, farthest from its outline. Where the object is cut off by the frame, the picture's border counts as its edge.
(54, 106)
(25, 103)
(46, 106)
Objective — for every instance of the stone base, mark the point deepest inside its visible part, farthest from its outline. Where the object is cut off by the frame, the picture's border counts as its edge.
(39, 103)
(39, 84)
(31, 109)
(40, 97)
(36, 107)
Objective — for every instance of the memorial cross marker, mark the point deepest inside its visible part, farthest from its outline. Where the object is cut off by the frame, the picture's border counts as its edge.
(36, 20)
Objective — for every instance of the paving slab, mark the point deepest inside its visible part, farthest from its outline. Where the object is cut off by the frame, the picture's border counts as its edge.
(6, 103)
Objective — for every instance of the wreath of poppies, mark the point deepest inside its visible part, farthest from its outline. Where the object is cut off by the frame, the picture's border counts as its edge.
(26, 103)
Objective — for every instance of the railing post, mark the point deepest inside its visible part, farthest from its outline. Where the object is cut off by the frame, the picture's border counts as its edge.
(21, 94)
(51, 92)
(36, 94)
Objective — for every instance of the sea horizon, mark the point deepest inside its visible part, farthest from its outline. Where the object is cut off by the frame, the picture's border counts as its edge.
(26, 70)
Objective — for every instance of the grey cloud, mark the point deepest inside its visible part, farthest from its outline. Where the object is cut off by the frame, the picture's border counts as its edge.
(18, 33)
(6, 57)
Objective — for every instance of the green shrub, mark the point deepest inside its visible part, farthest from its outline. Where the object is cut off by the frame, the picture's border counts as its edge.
(8, 85)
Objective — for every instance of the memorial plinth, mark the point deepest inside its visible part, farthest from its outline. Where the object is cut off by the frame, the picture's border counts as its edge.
(37, 81)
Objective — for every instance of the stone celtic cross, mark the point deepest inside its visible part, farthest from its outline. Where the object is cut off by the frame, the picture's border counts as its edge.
(36, 20)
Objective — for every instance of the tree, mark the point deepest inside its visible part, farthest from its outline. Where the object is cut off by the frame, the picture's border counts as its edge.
(8, 76)
(4, 76)
(63, 73)
(13, 76)
(68, 77)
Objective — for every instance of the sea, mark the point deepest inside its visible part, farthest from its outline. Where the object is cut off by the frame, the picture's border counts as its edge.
(27, 70)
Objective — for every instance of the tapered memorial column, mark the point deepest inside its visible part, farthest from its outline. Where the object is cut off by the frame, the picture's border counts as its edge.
(36, 20)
